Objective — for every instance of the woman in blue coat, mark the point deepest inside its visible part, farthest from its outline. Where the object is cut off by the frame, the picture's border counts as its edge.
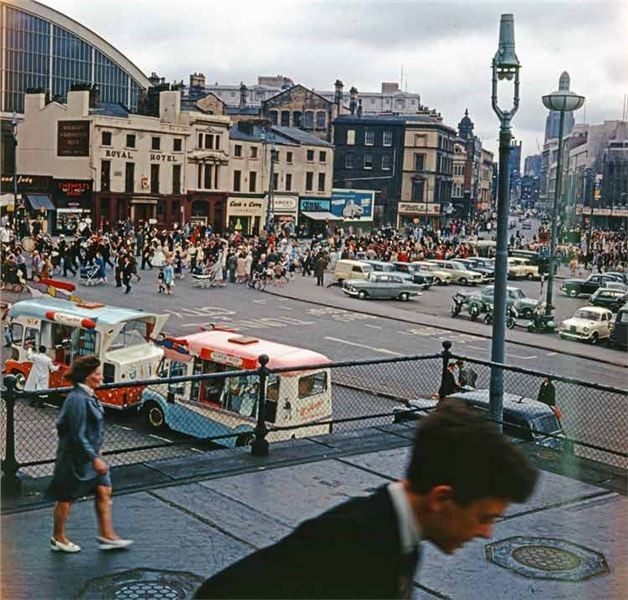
(79, 468)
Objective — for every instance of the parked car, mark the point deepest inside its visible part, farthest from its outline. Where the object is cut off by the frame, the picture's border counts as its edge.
(610, 298)
(351, 269)
(441, 276)
(380, 266)
(575, 287)
(459, 272)
(419, 275)
(520, 268)
(619, 335)
(481, 265)
(381, 286)
(524, 418)
(515, 298)
(589, 324)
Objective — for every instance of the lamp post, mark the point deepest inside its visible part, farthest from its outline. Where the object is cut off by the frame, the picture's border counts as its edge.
(505, 67)
(563, 100)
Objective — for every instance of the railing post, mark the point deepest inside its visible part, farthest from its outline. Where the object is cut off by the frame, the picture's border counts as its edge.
(446, 355)
(11, 483)
(259, 447)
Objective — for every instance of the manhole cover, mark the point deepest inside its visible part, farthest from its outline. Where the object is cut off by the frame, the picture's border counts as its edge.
(547, 558)
(142, 584)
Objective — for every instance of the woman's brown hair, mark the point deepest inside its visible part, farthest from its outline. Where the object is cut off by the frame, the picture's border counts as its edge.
(82, 368)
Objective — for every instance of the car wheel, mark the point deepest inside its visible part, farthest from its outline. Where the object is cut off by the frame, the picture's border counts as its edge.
(404, 296)
(362, 295)
(595, 338)
(572, 293)
(463, 281)
(154, 416)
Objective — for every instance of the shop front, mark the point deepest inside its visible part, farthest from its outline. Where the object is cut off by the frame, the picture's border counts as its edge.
(246, 214)
(415, 213)
(285, 213)
(206, 209)
(73, 199)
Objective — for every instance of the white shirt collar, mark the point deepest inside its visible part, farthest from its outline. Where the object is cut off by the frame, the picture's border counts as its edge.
(86, 389)
(409, 529)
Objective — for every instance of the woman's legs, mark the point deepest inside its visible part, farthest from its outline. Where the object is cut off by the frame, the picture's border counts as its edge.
(60, 515)
(102, 503)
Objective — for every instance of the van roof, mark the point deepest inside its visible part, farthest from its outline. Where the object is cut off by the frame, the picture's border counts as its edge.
(249, 349)
(103, 315)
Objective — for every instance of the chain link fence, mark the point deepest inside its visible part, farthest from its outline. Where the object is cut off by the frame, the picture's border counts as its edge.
(185, 415)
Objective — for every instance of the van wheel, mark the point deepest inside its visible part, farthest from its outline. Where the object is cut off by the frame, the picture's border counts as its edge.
(244, 439)
(404, 296)
(20, 380)
(154, 416)
(572, 293)
(362, 295)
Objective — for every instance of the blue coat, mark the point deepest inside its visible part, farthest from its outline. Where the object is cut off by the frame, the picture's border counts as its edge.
(81, 428)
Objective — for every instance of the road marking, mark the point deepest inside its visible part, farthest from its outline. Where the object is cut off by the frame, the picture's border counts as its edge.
(159, 438)
(348, 343)
(520, 356)
(372, 326)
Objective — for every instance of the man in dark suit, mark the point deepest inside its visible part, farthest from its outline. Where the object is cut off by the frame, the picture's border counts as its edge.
(462, 476)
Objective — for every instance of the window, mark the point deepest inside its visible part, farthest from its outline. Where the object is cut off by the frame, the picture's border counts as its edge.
(321, 182)
(321, 119)
(387, 138)
(177, 144)
(310, 156)
(288, 182)
(419, 162)
(369, 137)
(130, 140)
(309, 181)
(289, 157)
(386, 162)
(322, 156)
(285, 118)
(154, 179)
(274, 117)
(275, 181)
(237, 180)
(105, 175)
(106, 138)
(129, 178)
(297, 116)
(310, 385)
(308, 120)
(252, 181)
(176, 179)
(417, 189)
(350, 137)
(237, 150)
(253, 151)
(368, 161)
(155, 143)
(348, 161)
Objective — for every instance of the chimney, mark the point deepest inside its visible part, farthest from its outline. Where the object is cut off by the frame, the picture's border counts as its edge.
(169, 105)
(242, 95)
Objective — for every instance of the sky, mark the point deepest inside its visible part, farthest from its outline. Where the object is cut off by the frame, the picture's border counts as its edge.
(443, 48)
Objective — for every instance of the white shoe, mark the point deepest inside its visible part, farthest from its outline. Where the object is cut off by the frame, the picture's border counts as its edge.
(118, 544)
(57, 546)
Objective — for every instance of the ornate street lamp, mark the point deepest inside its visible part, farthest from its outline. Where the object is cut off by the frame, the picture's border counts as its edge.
(505, 67)
(563, 100)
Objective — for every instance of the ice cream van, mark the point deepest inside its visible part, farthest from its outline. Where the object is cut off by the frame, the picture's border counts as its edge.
(120, 337)
(214, 407)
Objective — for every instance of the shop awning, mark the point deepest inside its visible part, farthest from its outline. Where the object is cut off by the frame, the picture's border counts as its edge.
(39, 201)
(321, 216)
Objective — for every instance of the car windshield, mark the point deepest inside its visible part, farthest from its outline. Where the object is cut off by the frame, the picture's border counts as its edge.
(589, 315)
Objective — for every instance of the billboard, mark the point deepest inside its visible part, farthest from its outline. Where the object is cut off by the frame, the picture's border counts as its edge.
(353, 205)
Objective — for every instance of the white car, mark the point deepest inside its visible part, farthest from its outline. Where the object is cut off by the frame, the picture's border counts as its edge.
(589, 324)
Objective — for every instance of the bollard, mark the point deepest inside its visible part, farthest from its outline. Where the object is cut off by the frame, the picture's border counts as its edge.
(11, 483)
(446, 354)
(259, 446)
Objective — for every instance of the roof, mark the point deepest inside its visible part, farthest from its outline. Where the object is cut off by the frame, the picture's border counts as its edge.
(281, 355)
(105, 315)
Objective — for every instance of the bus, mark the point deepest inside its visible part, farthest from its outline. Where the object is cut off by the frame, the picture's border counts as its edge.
(120, 337)
(215, 407)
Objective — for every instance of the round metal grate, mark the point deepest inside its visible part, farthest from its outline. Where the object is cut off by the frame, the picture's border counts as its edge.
(142, 584)
(546, 558)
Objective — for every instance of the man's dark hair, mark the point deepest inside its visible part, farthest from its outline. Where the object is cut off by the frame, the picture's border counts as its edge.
(457, 447)
(82, 368)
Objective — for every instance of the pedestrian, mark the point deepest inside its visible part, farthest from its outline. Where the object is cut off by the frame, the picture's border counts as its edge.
(449, 384)
(39, 375)
(79, 467)
(319, 269)
(462, 476)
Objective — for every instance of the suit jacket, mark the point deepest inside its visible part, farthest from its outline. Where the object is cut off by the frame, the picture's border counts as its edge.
(350, 551)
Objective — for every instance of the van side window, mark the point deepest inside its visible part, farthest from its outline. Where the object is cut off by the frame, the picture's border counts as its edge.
(310, 385)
